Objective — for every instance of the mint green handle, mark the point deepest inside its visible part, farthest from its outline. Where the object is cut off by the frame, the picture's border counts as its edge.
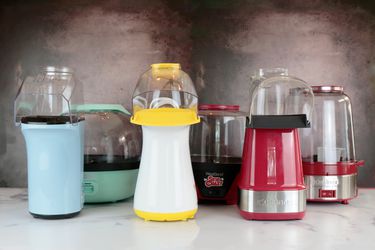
(100, 107)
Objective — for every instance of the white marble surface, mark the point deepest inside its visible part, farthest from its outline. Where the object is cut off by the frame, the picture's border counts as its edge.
(114, 226)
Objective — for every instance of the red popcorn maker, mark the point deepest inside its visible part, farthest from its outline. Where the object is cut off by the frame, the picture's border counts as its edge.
(328, 150)
(271, 185)
(216, 149)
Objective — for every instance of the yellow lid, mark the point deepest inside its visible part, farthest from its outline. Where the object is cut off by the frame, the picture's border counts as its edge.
(166, 70)
(166, 66)
(165, 117)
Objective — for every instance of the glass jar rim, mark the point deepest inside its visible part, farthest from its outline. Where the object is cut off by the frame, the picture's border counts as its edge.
(328, 89)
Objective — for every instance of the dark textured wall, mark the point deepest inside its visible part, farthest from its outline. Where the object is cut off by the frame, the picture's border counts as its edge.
(220, 42)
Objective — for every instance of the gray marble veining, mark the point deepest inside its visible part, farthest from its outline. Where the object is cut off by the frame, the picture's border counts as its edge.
(114, 226)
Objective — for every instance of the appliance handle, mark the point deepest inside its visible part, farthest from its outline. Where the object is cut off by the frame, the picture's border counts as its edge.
(360, 163)
(93, 107)
(161, 101)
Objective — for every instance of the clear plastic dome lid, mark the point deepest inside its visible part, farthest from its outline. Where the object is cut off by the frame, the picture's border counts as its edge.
(48, 97)
(281, 102)
(111, 141)
(264, 73)
(165, 95)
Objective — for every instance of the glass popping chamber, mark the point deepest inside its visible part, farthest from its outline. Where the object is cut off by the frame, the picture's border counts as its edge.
(331, 138)
(110, 138)
(219, 135)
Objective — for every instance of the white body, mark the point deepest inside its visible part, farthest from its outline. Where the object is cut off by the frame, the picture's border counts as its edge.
(165, 181)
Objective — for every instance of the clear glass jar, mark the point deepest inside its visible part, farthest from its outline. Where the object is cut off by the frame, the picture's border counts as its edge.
(220, 134)
(331, 138)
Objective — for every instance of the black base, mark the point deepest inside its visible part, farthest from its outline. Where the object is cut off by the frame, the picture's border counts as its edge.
(278, 121)
(212, 202)
(55, 216)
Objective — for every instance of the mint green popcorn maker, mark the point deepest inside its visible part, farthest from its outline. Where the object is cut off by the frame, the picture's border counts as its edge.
(112, 153)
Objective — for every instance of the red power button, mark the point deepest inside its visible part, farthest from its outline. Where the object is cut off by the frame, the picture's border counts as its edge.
(327, 193)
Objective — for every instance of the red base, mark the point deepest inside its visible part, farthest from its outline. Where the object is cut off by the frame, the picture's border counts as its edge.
(344, 202)
(272, 216)
(340, 168)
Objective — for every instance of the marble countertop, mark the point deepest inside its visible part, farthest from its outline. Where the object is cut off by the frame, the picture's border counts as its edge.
(114, 226)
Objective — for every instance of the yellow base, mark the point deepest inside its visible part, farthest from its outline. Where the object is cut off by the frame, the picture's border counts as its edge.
(166, 216)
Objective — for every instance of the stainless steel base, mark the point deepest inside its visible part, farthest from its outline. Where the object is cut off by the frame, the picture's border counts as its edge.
(293, 201)
(331, 188)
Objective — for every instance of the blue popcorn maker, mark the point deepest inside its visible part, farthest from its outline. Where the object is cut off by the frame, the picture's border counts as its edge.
(44, 108)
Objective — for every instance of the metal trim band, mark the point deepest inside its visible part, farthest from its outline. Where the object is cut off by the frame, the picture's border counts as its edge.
(345, 186)
(328, 89)
(293, 201)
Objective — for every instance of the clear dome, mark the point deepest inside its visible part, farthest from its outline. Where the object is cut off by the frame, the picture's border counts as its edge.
(48, 97)
(264, 73)
(111, 141)
(285, 98)
(170, 91)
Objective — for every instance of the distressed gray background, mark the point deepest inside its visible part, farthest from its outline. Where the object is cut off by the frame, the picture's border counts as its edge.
(219, 42)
